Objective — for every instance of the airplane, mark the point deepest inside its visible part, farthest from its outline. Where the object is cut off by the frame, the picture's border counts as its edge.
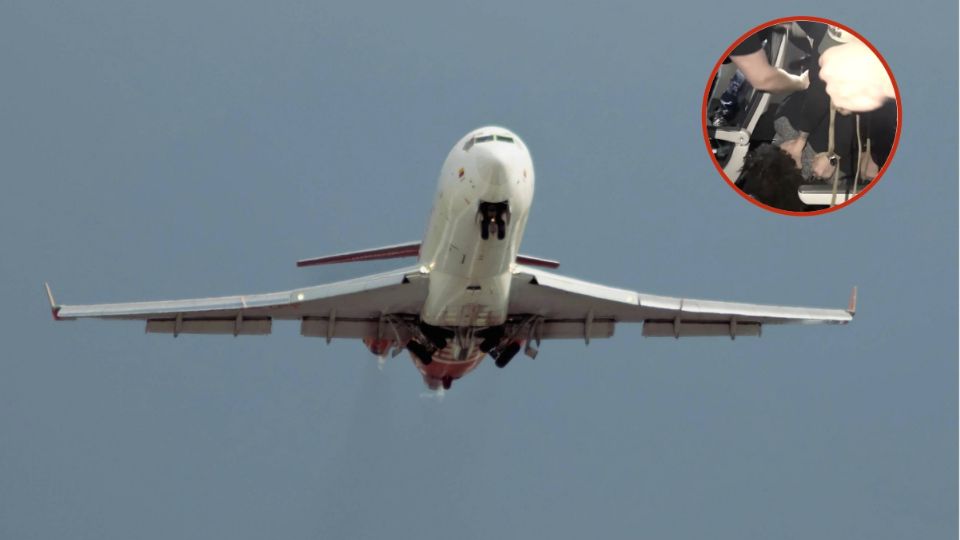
(471, 293)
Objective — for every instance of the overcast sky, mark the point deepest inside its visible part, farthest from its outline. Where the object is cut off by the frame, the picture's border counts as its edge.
(156, 150)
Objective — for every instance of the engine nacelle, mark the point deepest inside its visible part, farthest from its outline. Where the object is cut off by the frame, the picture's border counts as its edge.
(379, 347)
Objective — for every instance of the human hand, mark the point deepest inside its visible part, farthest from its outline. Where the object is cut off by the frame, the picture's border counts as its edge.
(822, 166)
(794, 147)
(855, 78)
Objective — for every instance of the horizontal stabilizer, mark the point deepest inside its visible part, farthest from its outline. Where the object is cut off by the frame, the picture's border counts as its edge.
(410, 249)
(398, 251)
(537, 261)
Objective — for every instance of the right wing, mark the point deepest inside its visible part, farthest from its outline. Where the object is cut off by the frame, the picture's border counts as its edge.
(572, 308)
(352, 308)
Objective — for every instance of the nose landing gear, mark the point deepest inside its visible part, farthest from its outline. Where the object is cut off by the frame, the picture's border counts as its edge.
(493, 218)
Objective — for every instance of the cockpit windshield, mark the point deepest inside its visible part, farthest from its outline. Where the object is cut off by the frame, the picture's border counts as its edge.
(486, 138)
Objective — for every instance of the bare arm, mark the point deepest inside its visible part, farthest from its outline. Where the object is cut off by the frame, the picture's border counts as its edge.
(762, 76)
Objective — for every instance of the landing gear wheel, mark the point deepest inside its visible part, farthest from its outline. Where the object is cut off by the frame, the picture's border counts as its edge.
(491, 338)
(493, 218)
(507, 354)
(488, 344)
(420, 352)
(447, 382)
(435, 335)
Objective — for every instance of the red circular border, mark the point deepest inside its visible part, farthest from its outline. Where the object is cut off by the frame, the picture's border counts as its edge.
(706, 96)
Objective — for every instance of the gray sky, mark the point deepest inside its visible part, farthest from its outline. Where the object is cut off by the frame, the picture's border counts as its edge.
(173, 149)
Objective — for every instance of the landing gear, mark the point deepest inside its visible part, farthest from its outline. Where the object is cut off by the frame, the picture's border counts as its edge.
(447, 382)
(503, 357)
(493, 218)
(435, 335)
(420, 351)
(491, 338)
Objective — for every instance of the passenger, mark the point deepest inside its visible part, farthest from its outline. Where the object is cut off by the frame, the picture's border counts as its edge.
(766, 176)
(769, 176)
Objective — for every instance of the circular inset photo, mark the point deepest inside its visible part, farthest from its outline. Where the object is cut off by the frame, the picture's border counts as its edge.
(801, 116)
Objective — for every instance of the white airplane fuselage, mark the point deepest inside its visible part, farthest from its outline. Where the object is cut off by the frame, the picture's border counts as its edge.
(469, 276)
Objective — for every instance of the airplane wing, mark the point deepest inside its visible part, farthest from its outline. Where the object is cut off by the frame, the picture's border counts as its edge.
(369, 306)
(571, 308)
(352, 308)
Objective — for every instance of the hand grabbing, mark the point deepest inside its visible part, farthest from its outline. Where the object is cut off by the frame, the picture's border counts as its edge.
(822, 166)
(855, 78)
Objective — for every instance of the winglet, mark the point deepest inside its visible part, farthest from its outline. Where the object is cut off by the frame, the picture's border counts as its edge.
(852, 304)
(54, 308)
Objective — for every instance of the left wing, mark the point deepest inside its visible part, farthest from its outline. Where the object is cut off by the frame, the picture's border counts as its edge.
(571, 308)
(354, 308)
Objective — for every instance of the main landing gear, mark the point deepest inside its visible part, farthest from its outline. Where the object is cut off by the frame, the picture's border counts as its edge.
(493, 219)
(502, 342)
(500, 349)
(436, 335)
(431, 340)
(491, 338)
(502, 357)
(420, 351)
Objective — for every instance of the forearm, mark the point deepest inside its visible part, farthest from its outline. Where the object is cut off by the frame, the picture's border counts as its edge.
(778, 81)
(765, 77)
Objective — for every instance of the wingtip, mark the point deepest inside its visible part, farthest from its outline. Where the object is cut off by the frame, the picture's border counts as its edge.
(54, 308)
(852, 303)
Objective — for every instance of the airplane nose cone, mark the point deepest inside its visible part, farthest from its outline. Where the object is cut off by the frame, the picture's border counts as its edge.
(494, 166)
